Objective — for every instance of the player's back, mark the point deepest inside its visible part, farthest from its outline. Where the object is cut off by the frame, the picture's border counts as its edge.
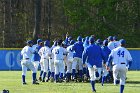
(26, 52)
(95, 55)
(58, 53)
(70, 51)
(120, 55)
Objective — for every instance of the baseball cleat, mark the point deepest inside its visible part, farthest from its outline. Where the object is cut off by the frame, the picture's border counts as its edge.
(24, 83)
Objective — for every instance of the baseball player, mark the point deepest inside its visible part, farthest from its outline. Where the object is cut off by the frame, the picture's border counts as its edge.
(116, 43)
(121, 57)
(36, 57)
(70, 60)
(59, 53)
(94, 56)
(51, 62)
(107, 51)
(111, 43)
(45, 53)
(77, 61)
(27, 52)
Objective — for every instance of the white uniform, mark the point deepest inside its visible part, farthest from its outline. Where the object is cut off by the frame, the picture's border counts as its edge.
(51, 60)
(26, 61)
(44, 52)
(70, 59)
(111, 45)
(116, 44)
(120, 56)
(58, 53)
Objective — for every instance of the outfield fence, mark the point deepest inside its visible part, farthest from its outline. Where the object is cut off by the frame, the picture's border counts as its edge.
(10, 58)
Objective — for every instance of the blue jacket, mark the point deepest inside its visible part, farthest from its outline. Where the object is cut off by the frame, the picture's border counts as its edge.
(78, 49)
(94, 56)
(106, 50)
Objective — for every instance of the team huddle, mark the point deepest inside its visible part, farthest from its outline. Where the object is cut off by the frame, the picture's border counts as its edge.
(83, 60)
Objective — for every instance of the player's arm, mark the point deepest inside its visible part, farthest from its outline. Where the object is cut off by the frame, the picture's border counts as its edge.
(129, 60)
(109, 60)
(40, 52)
(84, 56)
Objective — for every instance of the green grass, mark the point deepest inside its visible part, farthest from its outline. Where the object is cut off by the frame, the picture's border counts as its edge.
(11, 80)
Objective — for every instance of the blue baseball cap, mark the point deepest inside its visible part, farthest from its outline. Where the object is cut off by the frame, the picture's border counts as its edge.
(115, 38)
(47, 43)
(38, 41)
(91, 39)
(105, 42)
(72, 42)
(110, 38)
(79, 38)
(122, 41)
(29, 42)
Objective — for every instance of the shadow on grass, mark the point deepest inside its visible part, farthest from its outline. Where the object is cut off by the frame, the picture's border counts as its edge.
(133, 82)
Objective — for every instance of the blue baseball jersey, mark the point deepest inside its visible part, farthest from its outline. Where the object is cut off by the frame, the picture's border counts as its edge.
(36, 56)
(78, 49)
(94, 56)
(106, 50)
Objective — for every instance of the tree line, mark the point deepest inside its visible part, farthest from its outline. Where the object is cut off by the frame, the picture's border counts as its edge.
(21, 20)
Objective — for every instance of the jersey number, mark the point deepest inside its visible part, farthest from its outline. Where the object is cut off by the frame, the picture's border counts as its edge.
(56, 51)
(120, 53)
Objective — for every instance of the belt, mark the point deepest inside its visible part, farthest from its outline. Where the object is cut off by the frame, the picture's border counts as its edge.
(50, 58)
(26, 58)
(115, 64)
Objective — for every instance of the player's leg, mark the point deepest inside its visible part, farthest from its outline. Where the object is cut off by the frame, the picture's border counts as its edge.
(80, 64)
(45, 65)
(68, 72)
(42, 69)
(61, 69)
(32, 68)
(92, 78)
(56, 67)
(122, 74)
(24, 70)
(74, 64)
(51, 66)
(105, 73)
(115, 74)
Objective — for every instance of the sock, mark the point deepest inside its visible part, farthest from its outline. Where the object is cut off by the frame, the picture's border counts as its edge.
(121, 88)
(44, 75)
(34, 76)
(56, 77)
(23, 78)
(80, 73)
(61, 75)
(52, 74)
(103, 79)
(49, 74)
(93, 85)
(84, 70)
(41, 72)
(73, 73)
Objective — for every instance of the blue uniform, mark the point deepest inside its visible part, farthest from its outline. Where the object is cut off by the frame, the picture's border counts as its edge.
(78, 49)
(94, 56)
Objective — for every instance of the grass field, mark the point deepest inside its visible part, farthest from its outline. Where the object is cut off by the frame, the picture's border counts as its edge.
(11, 80)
